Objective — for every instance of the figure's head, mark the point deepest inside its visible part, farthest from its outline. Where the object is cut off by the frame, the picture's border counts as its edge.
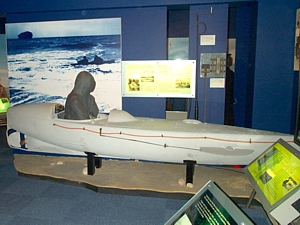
(84, 83)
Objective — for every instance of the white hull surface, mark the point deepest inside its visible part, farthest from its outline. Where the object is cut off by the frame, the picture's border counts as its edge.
(37, 128)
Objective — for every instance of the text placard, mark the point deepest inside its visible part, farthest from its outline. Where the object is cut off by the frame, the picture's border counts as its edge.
(164, 78)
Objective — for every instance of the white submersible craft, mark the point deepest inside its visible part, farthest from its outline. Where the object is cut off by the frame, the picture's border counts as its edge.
(40, 128)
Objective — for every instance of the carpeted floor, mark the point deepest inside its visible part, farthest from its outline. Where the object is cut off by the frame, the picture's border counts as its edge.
(25, 200)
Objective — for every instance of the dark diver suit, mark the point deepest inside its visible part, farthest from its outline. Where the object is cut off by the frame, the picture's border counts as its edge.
(80, 103)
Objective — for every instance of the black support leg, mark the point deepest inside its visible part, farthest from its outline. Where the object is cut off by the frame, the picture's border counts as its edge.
(98, 162)
(190, 168)
(90, 163)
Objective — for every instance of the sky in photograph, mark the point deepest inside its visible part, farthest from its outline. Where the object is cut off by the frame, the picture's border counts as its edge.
(66, 28)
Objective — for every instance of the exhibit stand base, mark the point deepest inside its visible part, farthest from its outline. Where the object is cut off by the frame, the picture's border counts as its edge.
(133, 177)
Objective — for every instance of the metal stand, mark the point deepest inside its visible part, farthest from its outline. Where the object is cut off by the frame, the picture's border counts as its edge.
(98, 162)
(190, 168)
(251, 198)
(93, 162)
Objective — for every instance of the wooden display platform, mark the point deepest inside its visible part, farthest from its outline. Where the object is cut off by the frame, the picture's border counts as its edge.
(133, 176)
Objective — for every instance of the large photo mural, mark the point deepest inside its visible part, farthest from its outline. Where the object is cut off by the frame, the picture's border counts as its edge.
(44, 59)
(3, 65)
(4, 94)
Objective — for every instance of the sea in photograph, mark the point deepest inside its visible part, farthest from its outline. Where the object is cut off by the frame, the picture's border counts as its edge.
(44, 69)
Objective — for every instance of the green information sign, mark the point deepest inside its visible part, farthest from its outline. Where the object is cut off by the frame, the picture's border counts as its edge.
(210, 205)
(276, 173)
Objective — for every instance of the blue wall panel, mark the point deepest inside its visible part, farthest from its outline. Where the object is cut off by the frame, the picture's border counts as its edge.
(274, 77)
(17, 6)
(215, 17)
(245, 64)
(147, 45)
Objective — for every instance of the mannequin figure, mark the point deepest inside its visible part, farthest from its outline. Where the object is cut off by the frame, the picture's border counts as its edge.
(80, 103)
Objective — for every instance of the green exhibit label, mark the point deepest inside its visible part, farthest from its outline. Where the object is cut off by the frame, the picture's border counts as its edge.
(276, 172)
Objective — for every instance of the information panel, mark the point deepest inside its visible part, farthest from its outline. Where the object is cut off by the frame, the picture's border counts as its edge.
(209, 206)
(164, 78)
(276, 173)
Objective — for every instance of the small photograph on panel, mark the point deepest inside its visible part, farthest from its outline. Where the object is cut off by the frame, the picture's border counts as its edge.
(212, 65)
(134, 84)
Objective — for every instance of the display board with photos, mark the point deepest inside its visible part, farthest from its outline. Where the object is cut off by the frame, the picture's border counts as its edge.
(163, 78)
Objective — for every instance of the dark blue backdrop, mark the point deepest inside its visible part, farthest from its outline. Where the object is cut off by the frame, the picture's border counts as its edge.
(212, 20)
(144, 35)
